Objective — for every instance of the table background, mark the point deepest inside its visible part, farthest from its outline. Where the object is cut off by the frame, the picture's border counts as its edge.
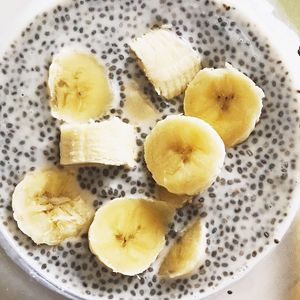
(272, 279)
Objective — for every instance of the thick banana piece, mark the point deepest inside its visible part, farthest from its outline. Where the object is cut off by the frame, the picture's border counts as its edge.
(49, 206)
(227, 99)
(110, 142)
(79, 86)
(175, 200)
(184, 154)
(187, 253)
(168, 61)
(128, 234)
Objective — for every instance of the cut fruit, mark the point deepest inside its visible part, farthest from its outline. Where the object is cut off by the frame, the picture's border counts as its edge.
(49, 206)
(227, 99)
(184, 154)
(168, 61)
(187, 253)
(79, 87)
(137, 107)
(294, 292)
(173, 199)
(110, 142)
(128, 234)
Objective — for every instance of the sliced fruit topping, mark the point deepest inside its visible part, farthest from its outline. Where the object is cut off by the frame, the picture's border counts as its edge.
(110, 142)
(49, 206)
(184, 154)
(138, 107)
(79, 86)
(128, 234)
(227, 99)
(173, 199)
(168, 61)
(187, 253)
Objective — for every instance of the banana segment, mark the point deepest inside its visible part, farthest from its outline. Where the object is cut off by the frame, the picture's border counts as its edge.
(175, 200)
(184, 154)
(110, 142)
(169, 62)
(135, 100)
(128, 234)
(49, 206)
(187, 253)
(79, 87)
(294, 292)
(227, 99)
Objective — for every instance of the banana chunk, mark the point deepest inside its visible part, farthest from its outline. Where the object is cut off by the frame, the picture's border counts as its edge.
(110, 142)
(175, 200)
(49, 206)
(128, 234)
(79, 87)
(227, 99)
(184, 154)
(168, 61)
(187, 254)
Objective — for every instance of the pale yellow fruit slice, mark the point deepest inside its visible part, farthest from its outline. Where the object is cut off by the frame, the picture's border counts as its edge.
(110, 142)
(173, 199)
(184, 154)
(128, 234)
(187, 253)
(49, 206)
(168, 61)
(138, 107)
(294, 293)
(227, 99)
(79, 87)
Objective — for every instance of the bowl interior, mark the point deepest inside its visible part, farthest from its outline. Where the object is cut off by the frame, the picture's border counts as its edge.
(247, 209)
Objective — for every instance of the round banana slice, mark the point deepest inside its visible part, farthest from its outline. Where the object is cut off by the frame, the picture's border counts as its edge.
(49, 206)
(227, 99)
(187, 254)
(184, 154)
(79, 86)
(128, 234)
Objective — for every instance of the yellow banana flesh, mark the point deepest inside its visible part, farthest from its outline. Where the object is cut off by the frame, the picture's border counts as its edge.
(169, 62)
(110, 142)
(186, 254)
(128, 234)
(79, 87)
(49, 206)
(226, 99)
(184, 154)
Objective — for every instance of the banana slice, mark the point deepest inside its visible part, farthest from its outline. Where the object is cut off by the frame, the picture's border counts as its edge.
(49, 206)
(168, 61)
(135, 100)
(184, 154)
(173, 199)
(128, 234)
(294, 292)
(226, 99)
(187, 253)
(110, 142)
(79, 86)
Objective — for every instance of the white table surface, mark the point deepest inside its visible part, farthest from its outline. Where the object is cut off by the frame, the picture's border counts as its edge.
(271, 279)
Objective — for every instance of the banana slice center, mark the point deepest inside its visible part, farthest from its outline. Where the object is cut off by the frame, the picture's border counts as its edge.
(224, 100)
(71, 92)
(184, 152)
(50, 204)
(125, 239)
